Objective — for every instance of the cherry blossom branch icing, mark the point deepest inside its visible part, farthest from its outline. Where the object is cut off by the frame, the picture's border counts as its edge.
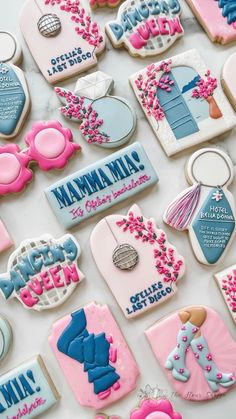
(205, 87)
(148, 85)
(76, 109)
(164, 255)
(229, 289)
(84, 26)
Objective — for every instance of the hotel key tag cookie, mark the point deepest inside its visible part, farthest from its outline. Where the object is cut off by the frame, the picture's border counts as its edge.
(62, 37)
(14, 94)
(207, 208)
(107, 121)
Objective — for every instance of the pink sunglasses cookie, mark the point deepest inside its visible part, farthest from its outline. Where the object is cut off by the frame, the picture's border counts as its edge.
(49, 144)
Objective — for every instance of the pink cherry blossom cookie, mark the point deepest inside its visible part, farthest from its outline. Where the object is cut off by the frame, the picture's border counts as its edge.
(50, 144)
(155, 409)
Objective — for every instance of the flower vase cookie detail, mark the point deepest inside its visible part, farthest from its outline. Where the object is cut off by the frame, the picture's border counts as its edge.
(226, 281)
(138, 263)
(62, 37)
(146, 28)
(196, 356)
(107, 121)
(14, 94)
(217, 17)
(94, 356)
(206, 209)
(183, 102)
(42, 273)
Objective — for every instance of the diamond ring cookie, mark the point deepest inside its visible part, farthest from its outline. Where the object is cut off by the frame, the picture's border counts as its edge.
(107, 121)
(228, 79)
(42, 273)
(94, 356)
(145, 27)
(139, 265)
(27, 391)
(198, 357)
(5, 338)
(62, 37)
(14, 94)
(101, 185)
(183, 102)
(217, 17)
(206, 209)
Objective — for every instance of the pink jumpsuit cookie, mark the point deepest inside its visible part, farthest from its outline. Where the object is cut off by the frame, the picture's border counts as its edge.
(217, 17)
(94, 356)
(139, 265)
(198, 357)
(62, 37)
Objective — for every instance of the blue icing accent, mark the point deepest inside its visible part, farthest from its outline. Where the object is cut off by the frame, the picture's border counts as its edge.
(214, 226)
(12, 99)
(118, 118)
(228, 10)
(90, 350)
(176, 109)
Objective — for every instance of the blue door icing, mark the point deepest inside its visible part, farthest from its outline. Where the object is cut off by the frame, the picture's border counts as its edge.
(176, 110)
(12, 99)
(214, 226)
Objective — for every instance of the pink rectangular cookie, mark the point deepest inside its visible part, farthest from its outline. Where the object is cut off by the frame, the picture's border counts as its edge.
(226, 281)
(218, 18)
(94, 356)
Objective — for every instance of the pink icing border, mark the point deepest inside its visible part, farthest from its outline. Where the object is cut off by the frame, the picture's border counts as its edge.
(149, 406)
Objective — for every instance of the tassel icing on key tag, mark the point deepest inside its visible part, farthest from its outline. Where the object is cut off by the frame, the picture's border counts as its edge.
(14, 95)
(206, 209)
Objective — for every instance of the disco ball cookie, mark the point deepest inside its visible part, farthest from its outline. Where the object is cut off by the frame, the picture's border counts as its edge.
(228, 80)
(94, 356)
(49, 144)
(145, 27)
(62, 37)
(102, 3)
(183, 102)
(198, 357)
(5, 338)
(139, 265)
(155, 409)
(27, 391)
(107, 121)
(207, 208)
(42, 273)
(14, 94)
(217, 17)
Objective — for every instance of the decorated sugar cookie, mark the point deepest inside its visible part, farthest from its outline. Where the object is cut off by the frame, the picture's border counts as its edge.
(27, 391)
(107, 121)
(226, 281)
(155, 409)
(140, 266)
(5, 238)
(42, 273)
(217, 17)
(102, 3)
(14, 94)
(62, 37)
(5, 338)
(145, 27)
(94, 356)
(206, 209)
(182, 101)
(228, 79)
(101, 185)
(198, 357)
(49, 144)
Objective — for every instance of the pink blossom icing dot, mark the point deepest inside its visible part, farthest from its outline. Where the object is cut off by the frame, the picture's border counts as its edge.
(50, 143)
(10, 168)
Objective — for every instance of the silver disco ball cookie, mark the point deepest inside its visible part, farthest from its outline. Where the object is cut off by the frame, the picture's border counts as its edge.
(49, 25)
(125, 257)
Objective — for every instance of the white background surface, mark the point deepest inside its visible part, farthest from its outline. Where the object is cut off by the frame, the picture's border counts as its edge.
(28, 215)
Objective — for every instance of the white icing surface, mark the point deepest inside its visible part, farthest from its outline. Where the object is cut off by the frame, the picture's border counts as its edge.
(10, 49)
(28, 214)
